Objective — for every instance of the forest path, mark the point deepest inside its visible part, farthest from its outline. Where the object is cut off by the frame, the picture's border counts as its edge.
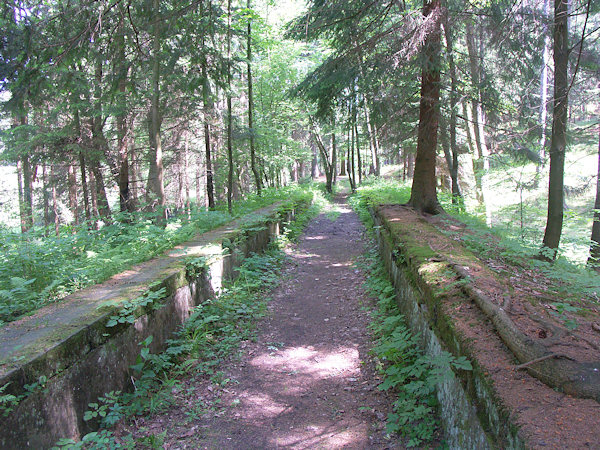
(307, 381)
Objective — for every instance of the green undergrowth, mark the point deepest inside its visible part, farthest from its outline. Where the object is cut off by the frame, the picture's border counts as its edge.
(565, 279)
(408, 373)
(211, 335)
(36, 269)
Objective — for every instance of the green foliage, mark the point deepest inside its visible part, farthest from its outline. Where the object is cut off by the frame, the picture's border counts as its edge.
(129, 309)
(411, 375)
(377, 191)
(565, 279)
(97, 440)
(8, 402)
(36, 270)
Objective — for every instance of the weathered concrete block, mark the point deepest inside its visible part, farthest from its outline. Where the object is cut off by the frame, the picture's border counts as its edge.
(82, 358)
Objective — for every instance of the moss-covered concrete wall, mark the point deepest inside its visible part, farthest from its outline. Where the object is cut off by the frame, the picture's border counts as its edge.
(82, 357)
(471, 414)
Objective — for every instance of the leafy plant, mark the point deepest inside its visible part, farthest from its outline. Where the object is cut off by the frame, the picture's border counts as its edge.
(211, 334)
(127, 313)
(7, 401)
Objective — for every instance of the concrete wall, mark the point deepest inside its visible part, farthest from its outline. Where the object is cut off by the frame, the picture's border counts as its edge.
(469, 412)
(93, 359)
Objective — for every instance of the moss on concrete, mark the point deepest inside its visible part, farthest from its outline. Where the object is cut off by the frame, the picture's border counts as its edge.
(423, 277)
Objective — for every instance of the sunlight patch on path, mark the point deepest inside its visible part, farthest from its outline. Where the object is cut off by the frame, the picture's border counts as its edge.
(318, 364)
(321, 437)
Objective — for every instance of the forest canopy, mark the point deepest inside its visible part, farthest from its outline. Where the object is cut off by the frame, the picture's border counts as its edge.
(119, 113)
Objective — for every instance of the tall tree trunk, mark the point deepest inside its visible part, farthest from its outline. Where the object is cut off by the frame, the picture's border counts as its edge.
(342, 164)
(134, 171)
(371, 132)
(373, 144)
(351, 160)
(99, 145)
(156, 186)
(478, 117)
(314, 165)
(358, 157)
(84, 186)
(423, 195)
(101, 199)
(544, 77)
(46, 199)
(186, 168)
(333, 159)
(125, 202)
(477, 168)
(229, 115)
(54, 202)
(207, 104)
(255, 172)
(72, 180)
(94, 200)
(200, 200)
(349, 144)
(594, 259)
(22, 212)
(558, 142)
(27, 191)
(325, 160)
(456, 193)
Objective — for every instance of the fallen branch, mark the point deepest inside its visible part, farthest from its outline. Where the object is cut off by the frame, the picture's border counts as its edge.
(533, 361)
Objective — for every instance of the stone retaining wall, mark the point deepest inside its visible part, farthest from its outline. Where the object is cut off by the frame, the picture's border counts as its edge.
(80, 358)
(470, 413)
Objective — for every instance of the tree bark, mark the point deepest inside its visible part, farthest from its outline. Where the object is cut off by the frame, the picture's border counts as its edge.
(478, 117)
(351, 162)
(72, 180)
(325, 159)
(333, 159)
(99, 145)
(456, 193)
(594, 259)
(544, 78)
(22, 213)
(125, 201)
(255, 172)
(229, 115)
(558, 142)
(156, 187)
(84, 186)
(46, 199)
(423, 193)
(186, 158)
(54, 202)
(101, 199)
(207, 104)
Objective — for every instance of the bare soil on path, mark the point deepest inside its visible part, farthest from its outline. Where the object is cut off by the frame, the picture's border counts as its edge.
(308, 380)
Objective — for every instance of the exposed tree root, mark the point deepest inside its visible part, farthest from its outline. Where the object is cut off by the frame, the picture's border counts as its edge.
(573, 377)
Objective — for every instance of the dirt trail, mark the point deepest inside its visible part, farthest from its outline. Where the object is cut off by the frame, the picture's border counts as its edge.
(307, 382)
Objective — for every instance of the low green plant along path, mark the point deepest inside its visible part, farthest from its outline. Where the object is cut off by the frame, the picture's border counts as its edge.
(305, 377)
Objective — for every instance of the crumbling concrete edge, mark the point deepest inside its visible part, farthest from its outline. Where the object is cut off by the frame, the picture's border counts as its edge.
(472, 414)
